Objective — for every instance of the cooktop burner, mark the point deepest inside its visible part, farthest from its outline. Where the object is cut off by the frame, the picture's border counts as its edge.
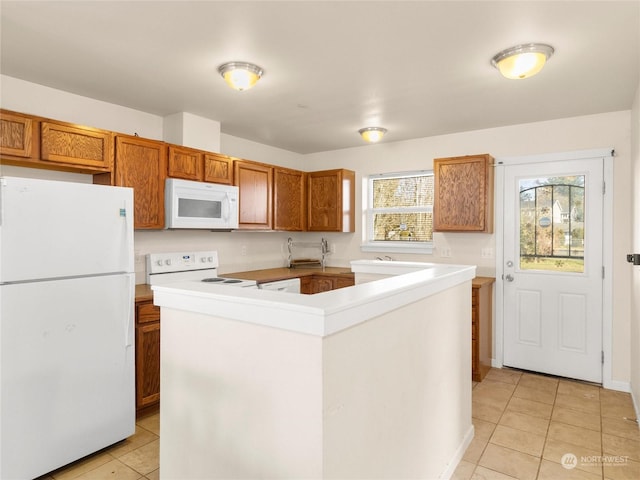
(221, 280)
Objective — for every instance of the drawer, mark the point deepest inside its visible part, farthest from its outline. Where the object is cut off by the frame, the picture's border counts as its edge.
(147, 312)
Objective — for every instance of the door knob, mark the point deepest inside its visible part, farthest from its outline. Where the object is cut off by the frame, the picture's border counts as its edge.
(508, 277)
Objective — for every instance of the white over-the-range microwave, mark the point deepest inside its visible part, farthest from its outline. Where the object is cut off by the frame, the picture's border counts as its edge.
(209, 206)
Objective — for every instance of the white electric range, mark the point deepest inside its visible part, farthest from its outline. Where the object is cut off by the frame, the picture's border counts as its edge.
(163, 268)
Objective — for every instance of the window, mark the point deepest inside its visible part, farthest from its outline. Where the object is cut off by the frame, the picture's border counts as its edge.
(552, 213)
(399, 212)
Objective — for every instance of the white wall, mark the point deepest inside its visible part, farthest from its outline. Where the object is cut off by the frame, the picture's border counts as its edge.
(635, 292)
(265, 249)
(611, 130)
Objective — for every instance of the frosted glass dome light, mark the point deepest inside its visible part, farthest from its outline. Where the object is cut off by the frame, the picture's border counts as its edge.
(239, 75)
(522, 61)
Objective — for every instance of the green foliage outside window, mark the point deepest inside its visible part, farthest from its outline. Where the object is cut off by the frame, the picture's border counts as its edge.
(402, 208)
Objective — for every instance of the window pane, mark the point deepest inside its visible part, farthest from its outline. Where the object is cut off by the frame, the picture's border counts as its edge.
(552, 224)
(410, 227)
(414, 191)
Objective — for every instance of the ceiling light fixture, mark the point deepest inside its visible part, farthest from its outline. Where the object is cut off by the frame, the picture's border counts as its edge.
(240, 75)
(522, 61)
(372, 134)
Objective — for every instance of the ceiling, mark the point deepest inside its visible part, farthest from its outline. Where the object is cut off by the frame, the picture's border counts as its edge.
(417, 68)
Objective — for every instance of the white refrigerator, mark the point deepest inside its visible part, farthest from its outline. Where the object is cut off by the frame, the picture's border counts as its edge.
(67, 285)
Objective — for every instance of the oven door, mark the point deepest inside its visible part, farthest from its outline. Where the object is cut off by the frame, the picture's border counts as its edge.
(200, 205)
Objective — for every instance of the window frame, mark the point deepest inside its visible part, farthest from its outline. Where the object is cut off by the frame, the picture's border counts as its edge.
(370, 245)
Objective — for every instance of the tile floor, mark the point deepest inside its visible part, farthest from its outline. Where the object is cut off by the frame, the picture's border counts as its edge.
(524, 425)
(137, 457)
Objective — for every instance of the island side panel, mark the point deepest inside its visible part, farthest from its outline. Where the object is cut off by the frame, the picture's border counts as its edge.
(397, 391)
(238, 400)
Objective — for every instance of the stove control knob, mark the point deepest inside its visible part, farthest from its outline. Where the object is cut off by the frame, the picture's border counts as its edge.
(159, 263)
(203, 259)
(210, 259)
(167, 261)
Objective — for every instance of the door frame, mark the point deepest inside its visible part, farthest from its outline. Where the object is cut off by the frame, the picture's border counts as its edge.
(607, 245)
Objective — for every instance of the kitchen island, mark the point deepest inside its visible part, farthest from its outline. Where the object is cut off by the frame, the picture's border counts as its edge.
(361, 382)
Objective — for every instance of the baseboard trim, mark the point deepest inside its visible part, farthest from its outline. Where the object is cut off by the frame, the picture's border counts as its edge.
(636, 406)
(453, 464)
(618, 385)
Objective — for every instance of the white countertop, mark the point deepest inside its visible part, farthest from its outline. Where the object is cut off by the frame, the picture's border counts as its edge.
(321, 314)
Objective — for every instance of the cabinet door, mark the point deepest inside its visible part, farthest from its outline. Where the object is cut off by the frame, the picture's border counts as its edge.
(306, 285)
(289, 200)
(185, 163)
(16, 135)
(331, 201)
(312, 284)
(218, 168)
(463, 194)
(255, 181)
(76, 145)
(147, 364)
(345, 280)
(323, 284)
(142, 164)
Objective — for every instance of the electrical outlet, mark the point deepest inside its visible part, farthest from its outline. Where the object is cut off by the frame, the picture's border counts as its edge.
(243, 250)
(486, 253)
(332, 248)
(445, 252)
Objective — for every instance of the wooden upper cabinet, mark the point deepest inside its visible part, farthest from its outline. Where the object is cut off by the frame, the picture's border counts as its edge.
(185, 163)
(463, 196)
(331, 201)
(218, 168)
(198, 165)
(76, 145)
(255, 183)
(16, 135)
(142, 164)
(290, 200)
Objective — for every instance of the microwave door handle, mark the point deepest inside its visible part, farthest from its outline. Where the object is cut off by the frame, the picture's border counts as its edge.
(226, 207)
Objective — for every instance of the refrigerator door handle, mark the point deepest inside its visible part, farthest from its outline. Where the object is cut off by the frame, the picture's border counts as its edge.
(129, 315)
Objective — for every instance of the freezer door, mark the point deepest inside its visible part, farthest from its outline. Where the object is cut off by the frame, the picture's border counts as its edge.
(67, 371)
(51, 229)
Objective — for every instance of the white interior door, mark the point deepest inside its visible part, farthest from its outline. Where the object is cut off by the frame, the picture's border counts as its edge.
(553, 263)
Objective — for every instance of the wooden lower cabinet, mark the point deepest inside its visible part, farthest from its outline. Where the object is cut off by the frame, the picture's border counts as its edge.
(312, 284)
(147, 355)
(481, 319)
